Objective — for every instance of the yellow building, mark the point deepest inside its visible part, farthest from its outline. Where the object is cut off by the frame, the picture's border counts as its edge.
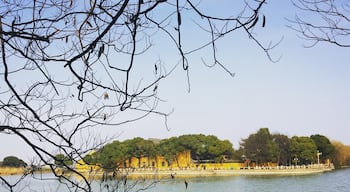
(83, 166)
(181, 161)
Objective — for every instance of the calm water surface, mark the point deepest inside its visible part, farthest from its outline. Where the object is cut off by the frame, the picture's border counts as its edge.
(336, 181)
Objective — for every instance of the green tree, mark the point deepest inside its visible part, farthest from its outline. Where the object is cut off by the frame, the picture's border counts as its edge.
(112, 155)
(169, 148)
(204, 147)
(239, 155)
(139, 147)
(63, 161)
(12, 161)
(283, 143)
(115, 154)
(217, 149)
(197, 144)
(324, 146)
(260, 147)
(303, 150)
(91, 159)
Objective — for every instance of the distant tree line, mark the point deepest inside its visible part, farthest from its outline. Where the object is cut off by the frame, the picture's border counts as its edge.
(262, 147)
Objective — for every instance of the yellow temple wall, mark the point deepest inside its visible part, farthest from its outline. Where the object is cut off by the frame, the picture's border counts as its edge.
(181, 161)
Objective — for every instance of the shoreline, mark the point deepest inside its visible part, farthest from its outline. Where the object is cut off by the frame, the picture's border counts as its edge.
(10, 171)
(189, 173)
(209, 173)
(193, 173)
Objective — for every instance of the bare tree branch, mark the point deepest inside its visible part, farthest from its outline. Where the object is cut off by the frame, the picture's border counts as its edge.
(69, 68)
(322, 21)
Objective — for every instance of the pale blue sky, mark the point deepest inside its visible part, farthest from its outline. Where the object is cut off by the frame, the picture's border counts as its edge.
(307, 92)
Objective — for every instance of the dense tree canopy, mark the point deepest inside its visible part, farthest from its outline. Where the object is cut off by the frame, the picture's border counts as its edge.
(206, 147)
(303, 150)
(202, 148)
(260, 147)
(263, 147)
(111, 154)
(278, 148)
(61, 160)
(324, 146)
(283, 143)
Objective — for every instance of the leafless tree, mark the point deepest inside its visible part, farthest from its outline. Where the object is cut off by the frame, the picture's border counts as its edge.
(323, 21)
(69, 67)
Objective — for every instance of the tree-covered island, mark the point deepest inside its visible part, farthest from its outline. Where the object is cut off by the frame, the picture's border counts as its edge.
(259, 149)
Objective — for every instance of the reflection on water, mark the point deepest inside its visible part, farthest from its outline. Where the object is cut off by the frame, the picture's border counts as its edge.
(336, 181)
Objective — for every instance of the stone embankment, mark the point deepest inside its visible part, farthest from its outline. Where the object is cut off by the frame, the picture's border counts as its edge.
(281, 170)
(190, 172)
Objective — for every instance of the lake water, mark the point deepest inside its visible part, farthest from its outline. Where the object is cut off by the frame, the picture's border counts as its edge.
(335, 181)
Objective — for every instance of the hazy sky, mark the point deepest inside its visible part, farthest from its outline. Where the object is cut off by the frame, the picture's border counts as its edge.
(307, 92)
